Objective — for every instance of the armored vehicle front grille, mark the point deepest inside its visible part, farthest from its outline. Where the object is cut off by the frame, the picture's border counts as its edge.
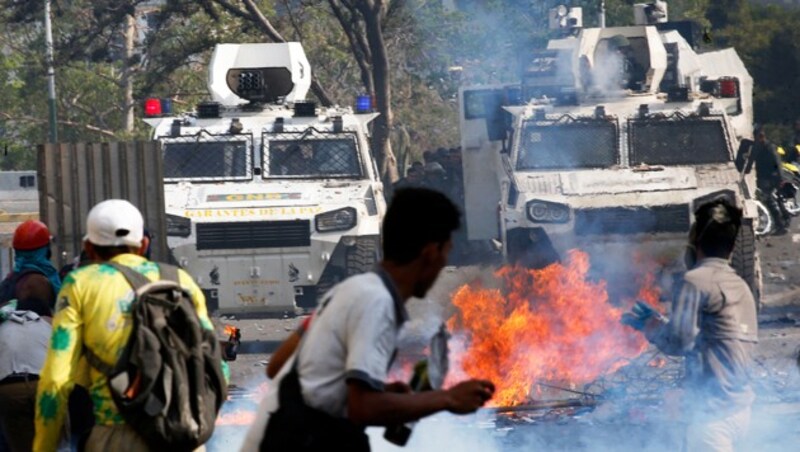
(253, 234)
(632, 220)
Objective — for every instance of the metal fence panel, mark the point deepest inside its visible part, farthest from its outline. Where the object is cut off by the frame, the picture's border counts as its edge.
(73, 177)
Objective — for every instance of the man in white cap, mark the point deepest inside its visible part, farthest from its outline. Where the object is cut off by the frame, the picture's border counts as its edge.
(93, 311)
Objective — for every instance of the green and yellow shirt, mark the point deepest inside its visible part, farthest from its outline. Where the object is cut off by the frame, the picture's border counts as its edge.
(93, 310)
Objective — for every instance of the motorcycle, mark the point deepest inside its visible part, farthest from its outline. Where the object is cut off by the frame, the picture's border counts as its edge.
(765, 225)
(789, 191)
(781, 197)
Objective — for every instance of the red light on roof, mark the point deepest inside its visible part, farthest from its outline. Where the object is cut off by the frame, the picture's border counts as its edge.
(727, 87)
(152, 107)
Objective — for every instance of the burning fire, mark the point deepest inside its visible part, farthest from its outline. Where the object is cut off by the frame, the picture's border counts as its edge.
(231, 330)
(550, 325)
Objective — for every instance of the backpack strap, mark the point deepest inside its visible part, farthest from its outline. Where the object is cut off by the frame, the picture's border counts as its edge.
(137, 281)
(134, 278)
(169, 273)
(106, 369)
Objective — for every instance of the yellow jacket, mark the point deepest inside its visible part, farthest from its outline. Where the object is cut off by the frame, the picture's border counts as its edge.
(93, 310)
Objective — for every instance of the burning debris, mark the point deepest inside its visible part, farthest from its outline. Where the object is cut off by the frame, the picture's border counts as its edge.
(230, 346)
(553, 326)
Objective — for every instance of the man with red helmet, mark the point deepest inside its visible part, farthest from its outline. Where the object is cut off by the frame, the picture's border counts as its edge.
(27, 296)
(33, 275)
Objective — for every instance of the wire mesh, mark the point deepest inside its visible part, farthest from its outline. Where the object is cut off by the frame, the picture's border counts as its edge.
(591, 144)
(207, 157)
(680, 142)
(311, 154)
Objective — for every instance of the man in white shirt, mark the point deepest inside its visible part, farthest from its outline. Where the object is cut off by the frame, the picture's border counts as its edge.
(333, 386)
(24, 338)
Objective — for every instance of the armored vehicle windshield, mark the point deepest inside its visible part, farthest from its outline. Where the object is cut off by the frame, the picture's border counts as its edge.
(208, 159)
(573, 145)
(311, 155)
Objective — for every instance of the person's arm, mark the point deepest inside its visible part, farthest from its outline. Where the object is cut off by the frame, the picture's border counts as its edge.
(282, 354)
(366, 406)
(56, 379)
(677, 336)
(199, 300)
(286, 349)
(370, 336)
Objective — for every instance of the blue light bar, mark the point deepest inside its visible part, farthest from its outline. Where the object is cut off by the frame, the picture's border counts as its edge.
(166, 106)
(364, 104)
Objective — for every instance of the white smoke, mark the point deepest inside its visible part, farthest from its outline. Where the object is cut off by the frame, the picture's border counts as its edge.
(444, 432)
(607, 73)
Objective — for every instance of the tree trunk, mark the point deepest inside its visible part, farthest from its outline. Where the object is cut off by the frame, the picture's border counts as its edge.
(382, 125)
(127, 74)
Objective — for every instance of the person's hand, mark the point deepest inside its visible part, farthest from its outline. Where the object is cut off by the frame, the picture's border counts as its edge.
(643, 310)
(642, 317)
(468, 396)
(632, 320)
(397, 387)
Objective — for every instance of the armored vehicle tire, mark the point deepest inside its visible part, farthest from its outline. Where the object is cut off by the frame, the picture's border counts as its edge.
(744, 260)
(361, 257)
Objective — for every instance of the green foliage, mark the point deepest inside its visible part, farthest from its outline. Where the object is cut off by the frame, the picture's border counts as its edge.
(768, 40)
(90, 68)
(432, 53)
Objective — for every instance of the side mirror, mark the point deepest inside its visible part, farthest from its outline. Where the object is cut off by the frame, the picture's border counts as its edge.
(743, 154)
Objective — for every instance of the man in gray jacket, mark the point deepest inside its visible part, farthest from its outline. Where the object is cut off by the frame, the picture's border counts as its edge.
(713, 324)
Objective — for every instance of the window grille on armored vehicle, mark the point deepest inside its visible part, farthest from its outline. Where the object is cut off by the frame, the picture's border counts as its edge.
(567, 145)
(678, 141)
(208, 158)
(311, 154)
(253, 234)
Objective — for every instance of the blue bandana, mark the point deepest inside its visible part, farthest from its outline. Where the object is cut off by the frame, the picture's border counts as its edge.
(37, 260)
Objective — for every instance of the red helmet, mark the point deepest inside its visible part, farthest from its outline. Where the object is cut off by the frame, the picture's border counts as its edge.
(31, 235)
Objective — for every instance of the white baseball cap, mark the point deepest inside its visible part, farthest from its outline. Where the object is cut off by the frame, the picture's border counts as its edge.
(115, 222)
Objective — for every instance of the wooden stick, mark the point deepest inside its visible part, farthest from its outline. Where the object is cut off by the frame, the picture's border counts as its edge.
(545, 405)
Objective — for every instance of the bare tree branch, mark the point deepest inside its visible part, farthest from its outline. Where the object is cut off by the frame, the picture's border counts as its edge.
(33, 120)
(263, 22)
(357, 45)
(240, 13)
(297, 31)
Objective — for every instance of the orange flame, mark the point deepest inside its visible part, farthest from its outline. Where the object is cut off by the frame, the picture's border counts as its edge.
(230, 330)
(546, 325)
(659, 362)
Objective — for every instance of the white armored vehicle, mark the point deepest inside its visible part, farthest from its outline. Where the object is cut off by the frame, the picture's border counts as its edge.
(270, 199)
(611, 141)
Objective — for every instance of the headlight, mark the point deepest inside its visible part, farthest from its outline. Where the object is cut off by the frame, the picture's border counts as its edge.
(178, 226)
(337, 220)
(547, 212)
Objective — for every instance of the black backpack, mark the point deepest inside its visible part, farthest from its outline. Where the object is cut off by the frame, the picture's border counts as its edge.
(8, 287)
(168, 383)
